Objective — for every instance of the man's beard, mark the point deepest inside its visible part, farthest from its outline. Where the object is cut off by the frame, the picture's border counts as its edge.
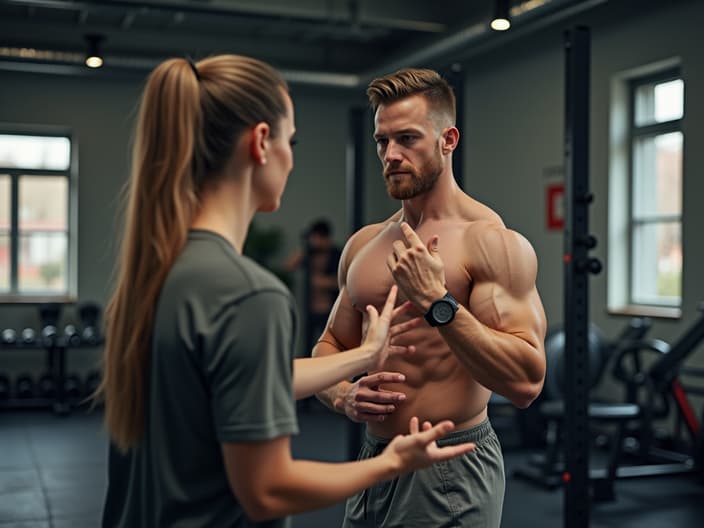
(419, 182)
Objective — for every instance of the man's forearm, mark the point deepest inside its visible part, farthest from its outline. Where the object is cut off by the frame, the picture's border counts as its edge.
(505, 363)
(330, 393)
(332, 397)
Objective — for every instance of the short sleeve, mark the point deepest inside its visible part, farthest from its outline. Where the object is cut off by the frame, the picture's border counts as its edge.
(248, 354)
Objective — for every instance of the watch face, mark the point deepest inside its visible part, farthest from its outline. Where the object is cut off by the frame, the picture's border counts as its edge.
(443, 312)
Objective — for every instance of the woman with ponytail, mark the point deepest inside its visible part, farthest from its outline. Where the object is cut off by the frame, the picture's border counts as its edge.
(199, 377)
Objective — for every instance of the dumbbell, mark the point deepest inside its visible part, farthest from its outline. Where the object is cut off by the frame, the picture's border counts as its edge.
(29, 336)
(90, 314)
(71, 335)
(49, 314)
(9, 336)
(89, 335)
(49, 335)
(46, 386)
(25, 387)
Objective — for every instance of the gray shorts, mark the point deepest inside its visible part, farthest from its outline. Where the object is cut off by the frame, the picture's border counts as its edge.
(465, 491)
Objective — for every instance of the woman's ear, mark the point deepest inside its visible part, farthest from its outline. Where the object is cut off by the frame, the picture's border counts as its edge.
(259, 142)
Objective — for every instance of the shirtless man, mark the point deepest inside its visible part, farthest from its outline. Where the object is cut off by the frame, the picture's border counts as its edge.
(486, 336)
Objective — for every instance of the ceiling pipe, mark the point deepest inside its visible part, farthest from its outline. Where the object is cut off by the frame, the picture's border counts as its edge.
(69, 63)
(528, 17)
(289, 11)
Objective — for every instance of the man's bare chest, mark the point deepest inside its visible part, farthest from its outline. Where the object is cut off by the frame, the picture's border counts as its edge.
(369, 277)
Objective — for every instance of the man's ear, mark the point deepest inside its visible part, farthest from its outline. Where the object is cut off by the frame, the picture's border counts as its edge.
(450, 139)
(259, 142)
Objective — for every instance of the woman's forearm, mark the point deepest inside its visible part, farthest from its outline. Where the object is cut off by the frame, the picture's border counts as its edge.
(309, 485)
(311, 375)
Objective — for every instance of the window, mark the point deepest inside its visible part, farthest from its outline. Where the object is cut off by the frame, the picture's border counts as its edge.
(645, 191)
(656, 190)
(35, 214)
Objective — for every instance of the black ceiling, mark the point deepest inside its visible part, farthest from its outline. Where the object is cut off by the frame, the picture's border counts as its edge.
(318, 41)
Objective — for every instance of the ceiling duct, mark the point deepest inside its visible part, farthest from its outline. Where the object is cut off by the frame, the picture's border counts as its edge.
(527, 17)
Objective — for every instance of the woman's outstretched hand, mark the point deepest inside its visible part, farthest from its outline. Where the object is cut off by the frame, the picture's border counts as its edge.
(380, 333)
(419, 449)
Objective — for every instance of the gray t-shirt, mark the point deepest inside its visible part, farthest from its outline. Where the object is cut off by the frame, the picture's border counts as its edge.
(221, 371)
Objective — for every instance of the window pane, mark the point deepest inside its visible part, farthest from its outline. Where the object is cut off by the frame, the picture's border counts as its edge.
(34, 152)
(43, 202)
(42, 262)
(657, 175)
(4, 262)
(657, 263)
(5, 202)
(658, 102)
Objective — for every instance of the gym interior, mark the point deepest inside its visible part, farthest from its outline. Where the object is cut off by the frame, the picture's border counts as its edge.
(580, 125)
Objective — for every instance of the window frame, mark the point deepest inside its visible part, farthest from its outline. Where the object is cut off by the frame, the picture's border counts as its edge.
(15, 174)
(635, 133)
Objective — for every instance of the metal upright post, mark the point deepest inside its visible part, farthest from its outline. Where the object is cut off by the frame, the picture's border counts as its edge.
(355, 215)
(355, 169)
(577, 266)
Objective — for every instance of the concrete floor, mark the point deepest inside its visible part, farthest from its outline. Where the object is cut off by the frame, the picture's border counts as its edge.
(53, 475)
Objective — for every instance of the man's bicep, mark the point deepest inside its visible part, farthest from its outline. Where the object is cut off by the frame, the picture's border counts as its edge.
(498, 309)
(504, 296)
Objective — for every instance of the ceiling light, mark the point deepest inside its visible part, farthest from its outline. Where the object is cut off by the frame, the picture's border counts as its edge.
(94, 58)
(500, 20)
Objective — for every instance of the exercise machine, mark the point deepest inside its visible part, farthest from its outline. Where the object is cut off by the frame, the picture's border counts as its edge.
(650, 371)
(547, 469)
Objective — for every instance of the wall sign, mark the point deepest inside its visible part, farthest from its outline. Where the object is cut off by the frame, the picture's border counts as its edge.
(554, 206)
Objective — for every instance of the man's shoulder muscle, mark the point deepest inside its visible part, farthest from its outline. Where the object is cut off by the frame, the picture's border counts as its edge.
(501, 254)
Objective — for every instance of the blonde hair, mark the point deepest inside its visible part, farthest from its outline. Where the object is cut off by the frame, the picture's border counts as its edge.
(189, 119)
(415, 81)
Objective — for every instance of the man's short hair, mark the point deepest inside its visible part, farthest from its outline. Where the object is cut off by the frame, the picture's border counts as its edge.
(414, 81)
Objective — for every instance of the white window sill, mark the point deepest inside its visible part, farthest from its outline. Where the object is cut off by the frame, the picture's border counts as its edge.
(635, 310)
(37, 299)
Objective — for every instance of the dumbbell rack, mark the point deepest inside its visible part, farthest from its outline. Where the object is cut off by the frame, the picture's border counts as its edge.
(55, 350)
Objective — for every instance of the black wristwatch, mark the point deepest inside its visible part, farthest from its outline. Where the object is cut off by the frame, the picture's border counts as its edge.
(442, 311)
